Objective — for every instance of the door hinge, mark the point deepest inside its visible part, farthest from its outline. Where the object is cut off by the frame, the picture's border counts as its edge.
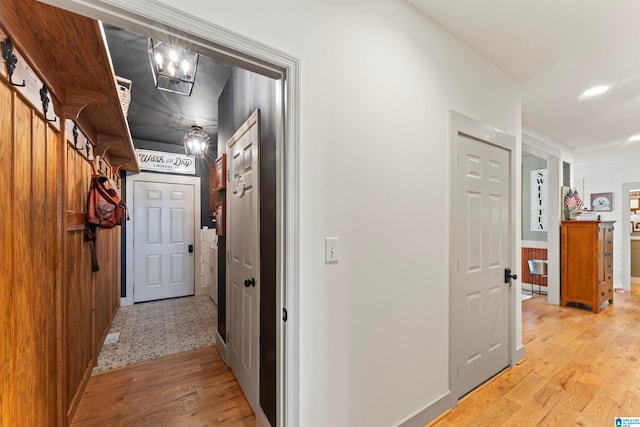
(285, 315)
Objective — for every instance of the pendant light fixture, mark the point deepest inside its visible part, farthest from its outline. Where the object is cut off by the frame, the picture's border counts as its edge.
(173, 68)
(196, 142)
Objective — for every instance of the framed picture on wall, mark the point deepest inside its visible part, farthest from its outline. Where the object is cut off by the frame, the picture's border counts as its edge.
(601, 201)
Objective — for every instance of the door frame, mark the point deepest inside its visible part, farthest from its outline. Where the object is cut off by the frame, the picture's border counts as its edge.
(165, 179)
(625, 238)
(154, 17)
(459, 123)
(533, 145)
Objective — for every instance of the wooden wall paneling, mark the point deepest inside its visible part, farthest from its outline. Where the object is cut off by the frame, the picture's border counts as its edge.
(80, 288)
(48, 309)
(38, 260)
(64, 273)
(7, 326)
(24, 381)
(116, 295)
(52, 279)
(526, 274)
(532, 253)
(104, 284)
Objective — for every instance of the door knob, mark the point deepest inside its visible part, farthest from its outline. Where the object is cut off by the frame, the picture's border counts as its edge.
(508, 276)
(250, 282)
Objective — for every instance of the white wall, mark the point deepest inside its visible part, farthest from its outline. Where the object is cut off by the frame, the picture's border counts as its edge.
(604, 170)
(378, 80)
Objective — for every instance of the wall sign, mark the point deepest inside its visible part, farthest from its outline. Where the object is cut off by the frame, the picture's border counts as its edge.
(159, 161)
(539, 198)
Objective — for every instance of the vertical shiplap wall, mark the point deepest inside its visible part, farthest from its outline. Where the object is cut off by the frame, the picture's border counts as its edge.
(605, 170)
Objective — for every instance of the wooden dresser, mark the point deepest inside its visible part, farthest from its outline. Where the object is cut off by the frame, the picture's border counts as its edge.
(587, 263)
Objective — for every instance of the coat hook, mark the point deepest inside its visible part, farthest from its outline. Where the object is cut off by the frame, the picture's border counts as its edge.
(88, 148)
(11, 61)
(75, 136)
(100, 164)
(44, 97)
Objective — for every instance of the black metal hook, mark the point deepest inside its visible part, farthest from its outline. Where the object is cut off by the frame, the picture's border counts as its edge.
(75, 136)
(44, 97)
(11, 61)
(100, 164)
(88, 148)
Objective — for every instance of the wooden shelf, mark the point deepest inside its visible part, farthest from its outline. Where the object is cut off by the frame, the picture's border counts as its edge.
(69, 53)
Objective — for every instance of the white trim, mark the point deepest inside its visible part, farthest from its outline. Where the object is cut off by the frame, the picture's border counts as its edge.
(153, 17)
(531, 144)
(169, 179)
(222, 347)
(532, 287)
(625, 236)
(427, 413)
(459, 123)
(261, 418)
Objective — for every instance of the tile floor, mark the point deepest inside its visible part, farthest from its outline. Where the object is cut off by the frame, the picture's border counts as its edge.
(155, 329)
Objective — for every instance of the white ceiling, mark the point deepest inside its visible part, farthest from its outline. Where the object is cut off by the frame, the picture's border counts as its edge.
(557, 49)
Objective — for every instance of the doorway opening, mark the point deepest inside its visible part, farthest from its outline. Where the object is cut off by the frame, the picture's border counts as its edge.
(634, 228)
(540, 220)
(251, 55)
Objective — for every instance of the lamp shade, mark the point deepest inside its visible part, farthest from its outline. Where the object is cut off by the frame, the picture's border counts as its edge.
(174, 69)
(196, 142)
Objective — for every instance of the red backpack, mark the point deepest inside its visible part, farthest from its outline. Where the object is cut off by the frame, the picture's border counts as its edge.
(105, 209)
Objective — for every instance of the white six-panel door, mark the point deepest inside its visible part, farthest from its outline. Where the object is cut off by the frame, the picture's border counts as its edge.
(244, 257)
(481, 244)
(163, 261)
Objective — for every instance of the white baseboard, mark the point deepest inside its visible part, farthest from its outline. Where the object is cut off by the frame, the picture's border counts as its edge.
(261, 418)
(528, 287)
(520, 352)
(428, 413)
(222, 347)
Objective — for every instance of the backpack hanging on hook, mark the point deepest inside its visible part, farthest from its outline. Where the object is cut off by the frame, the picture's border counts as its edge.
(105, 209)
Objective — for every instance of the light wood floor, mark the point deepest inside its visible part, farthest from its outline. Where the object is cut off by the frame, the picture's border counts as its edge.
(194, 388)
(581, 369)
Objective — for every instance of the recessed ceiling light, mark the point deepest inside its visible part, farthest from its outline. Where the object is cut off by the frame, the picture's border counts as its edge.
(596, 90)
(634, 137)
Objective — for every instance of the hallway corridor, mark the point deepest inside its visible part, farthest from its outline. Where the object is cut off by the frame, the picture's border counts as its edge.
(193, 388)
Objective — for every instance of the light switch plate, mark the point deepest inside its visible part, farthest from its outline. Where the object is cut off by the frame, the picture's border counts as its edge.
(330, 250)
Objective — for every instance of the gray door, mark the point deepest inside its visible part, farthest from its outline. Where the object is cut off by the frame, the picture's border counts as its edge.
(480, 249)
